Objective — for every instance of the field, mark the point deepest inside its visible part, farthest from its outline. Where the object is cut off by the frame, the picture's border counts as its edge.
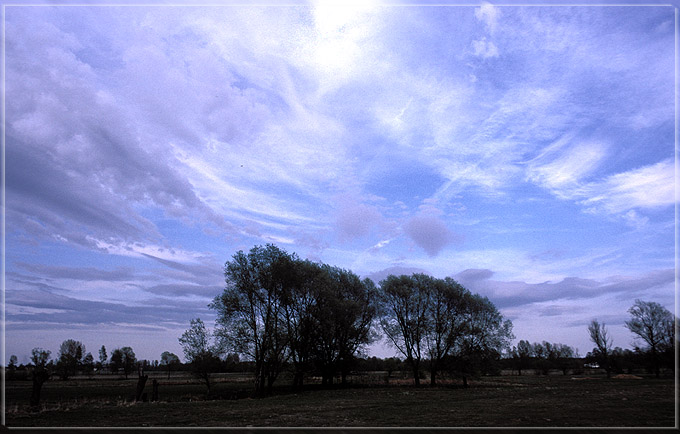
(503, 401)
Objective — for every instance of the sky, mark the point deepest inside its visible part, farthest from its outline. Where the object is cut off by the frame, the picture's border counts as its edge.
(526, 151)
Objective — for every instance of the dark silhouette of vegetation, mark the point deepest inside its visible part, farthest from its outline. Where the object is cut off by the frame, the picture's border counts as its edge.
(170, 361)
(123, 359)
(277, 309)
(423, 316)
(203, 357)
(70, 358)
(603, 345)
(656, 327)
(101, 364)
(39, 358)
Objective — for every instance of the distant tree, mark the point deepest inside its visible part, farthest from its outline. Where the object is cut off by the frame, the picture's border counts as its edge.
(655, 326)
(123, 358)
(603, 344)
(102, 358)
(202, 355)
(524, 353)
(12, 362)
(404, 305)
(170, 361)
(250, 311)
(70, 357)
(88, 363)
(563, 357)
(39, 358)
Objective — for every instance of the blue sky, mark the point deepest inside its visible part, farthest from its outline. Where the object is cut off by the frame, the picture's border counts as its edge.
(526, 151)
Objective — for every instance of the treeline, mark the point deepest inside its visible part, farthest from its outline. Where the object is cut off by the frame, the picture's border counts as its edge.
(543, 357)
(280, 311)
(656, 332)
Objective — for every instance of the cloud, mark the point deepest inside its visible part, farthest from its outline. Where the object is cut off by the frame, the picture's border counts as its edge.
(484, 49)
(355, 220)
(378, 276)
(430, 233)
(488, 14)
(564, 164)
(518, 293)
(38, 307)
(651, 186)
(82, 273)
(184, 290)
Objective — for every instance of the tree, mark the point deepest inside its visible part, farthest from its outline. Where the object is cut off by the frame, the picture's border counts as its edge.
(123, 358)
(39, 357)
(404, 305)
(170, 360)
(524, 353)
(88, 363)
(102, 357)
(487, 335)
(70, 355)
(603, 344)
(251, 313)
(199, 352)
(343, 313)
(655, 326)
(12, 362)
(298, 312)
(447, 321)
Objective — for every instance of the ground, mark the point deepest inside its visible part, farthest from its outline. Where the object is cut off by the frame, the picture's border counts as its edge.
(503, 401)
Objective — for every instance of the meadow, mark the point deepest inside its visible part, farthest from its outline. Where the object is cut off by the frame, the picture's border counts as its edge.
(588, 400)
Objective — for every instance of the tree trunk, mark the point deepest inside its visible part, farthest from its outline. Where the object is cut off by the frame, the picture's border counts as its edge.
(297, 381)
(154, 393)
(433, 376)
(141, 382)
(416, 376)
(39, 378)
(465, 383)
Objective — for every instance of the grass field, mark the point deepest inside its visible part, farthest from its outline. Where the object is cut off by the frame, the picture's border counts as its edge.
(505, 401)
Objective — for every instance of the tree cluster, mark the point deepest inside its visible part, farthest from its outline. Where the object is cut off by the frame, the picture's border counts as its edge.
(278, 310)
(656, 333)
(543, 357)
(439, 322)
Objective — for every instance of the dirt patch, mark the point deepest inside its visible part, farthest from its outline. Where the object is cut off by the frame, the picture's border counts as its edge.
(627, 377)
(583, 378)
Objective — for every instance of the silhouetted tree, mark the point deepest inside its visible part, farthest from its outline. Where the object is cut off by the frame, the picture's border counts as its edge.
(301, 327)
(343, 313)
(39, 357)
(523, 352)
(404, 305)
(88, 363)
(12, 362)
(203, 357)
(102, 358)
(169, 360)
(123, 358)
(655, 325)
(250, 311)
(70, 357)
(447, 321)
(603, 344)
(487, 335)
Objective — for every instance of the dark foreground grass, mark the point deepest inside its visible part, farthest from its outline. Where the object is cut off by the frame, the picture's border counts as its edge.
(552, 401)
